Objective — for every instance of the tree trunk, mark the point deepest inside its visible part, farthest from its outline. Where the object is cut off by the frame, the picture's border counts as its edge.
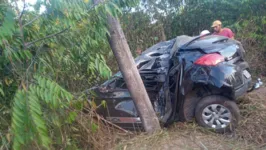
(131, 75)
(163, 36)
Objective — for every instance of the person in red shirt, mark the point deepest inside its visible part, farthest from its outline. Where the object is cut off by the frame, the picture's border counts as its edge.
(218, 30)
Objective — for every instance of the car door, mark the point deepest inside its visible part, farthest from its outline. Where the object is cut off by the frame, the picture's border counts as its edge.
(120, 108)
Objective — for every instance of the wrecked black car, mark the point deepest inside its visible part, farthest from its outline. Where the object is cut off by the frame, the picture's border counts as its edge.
(186, 78)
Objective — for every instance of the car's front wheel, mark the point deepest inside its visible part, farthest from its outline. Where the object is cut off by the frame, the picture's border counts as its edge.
(217, 113)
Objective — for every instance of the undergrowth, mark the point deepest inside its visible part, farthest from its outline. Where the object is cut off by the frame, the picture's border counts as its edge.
(249, 135)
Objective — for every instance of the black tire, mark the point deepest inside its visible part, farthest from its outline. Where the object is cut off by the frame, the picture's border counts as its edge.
(230, 106)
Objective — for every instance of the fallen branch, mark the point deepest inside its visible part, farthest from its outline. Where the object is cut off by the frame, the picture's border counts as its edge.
(108, 122)
(262, 145)
(114, 125)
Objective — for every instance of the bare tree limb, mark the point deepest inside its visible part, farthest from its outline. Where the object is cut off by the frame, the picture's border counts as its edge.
(22, 33)
(34, 58)
(28, 23)
(20, 23)
(47, 37)
(23, 10)
(106, 121)
(112, 124)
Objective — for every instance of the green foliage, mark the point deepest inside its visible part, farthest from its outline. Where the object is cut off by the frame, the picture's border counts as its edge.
(198, 15)
(7, 27)
(39, 51)
(34, 108)
(190, 17)
(1, 90)
(139, 30)
(20, 120)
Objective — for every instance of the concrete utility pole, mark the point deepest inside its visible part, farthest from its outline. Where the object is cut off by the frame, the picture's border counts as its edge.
(131, 74)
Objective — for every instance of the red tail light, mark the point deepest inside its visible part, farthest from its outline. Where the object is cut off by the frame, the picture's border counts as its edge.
(210, 60)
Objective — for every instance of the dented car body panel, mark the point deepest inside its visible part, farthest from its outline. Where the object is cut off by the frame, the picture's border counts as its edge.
(175, 84)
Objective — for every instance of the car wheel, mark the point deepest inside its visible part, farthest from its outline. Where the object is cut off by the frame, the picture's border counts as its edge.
(217, 113)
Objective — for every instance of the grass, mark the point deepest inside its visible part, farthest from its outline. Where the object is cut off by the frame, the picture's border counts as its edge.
(250, 134)
(186, 137)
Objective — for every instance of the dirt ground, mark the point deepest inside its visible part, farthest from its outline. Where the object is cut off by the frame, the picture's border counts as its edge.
(250, 134)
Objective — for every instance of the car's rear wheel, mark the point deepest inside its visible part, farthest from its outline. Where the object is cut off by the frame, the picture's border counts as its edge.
(217, 113)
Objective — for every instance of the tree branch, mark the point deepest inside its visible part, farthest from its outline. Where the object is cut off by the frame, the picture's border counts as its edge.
(48, 36)
(20, 23)
(22, 33)
(28, 23)
(23, 10)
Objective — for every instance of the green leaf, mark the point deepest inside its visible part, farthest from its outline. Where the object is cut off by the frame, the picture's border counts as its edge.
(28, 54)
(38, 121)
(109, 10)
(94, 127)
(1, 90)
(71, 117)
(116, 7)
(103, 103)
